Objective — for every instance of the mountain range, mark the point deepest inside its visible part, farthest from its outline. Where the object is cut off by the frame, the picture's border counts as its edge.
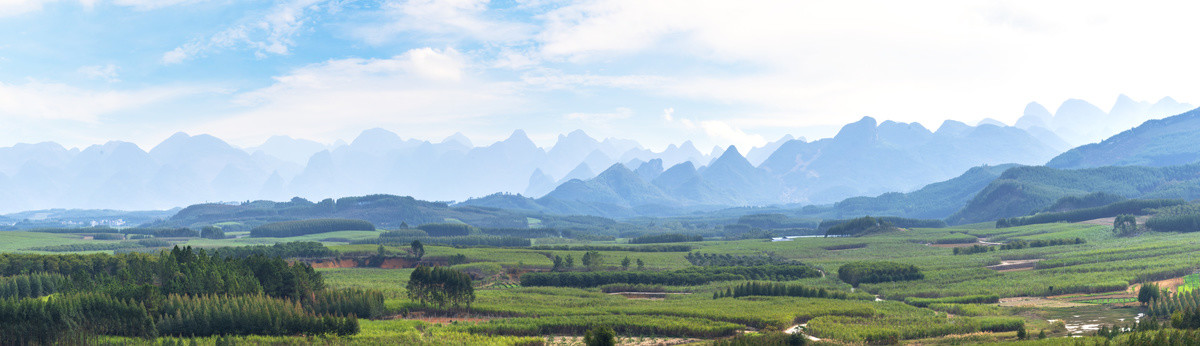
(578, 174)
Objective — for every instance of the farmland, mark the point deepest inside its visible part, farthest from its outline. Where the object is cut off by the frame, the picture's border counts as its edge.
(934, 296)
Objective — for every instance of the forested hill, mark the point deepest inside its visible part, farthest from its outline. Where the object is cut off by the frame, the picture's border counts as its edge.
(385, 211)
(1169, 141)
(1023, 190)
(934, 201)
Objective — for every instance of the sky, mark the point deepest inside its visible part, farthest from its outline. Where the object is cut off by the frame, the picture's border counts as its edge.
(83, 72)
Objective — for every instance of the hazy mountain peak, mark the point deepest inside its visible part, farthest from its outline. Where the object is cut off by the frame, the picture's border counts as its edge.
(860, 131)
(460, 138)
(953, 128)
(377, 139)
(990, 121)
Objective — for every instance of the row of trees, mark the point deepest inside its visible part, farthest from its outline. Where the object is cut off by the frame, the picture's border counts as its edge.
(440, 286)
(297, 249)
(205, 315)
(681, 277)
(703, 259)
(32, 285)
(860, 226)
(755, 288)
(855, 273)
(467, 240)
(313, 226)
(665, 238)
(1021, 244)
(1132, 206)
(643, 248)
(53, 320)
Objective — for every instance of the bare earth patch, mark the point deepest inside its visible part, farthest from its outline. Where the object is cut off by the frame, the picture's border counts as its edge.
(1037, 302)
(1015, 265)
(623, 341)
(1109, 221)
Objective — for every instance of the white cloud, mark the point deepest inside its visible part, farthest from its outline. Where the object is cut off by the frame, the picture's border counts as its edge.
(833, 62)
(725, 133)
(601, 119)
(450, 19)
(422, 89)
(104, 72)
(52, 101)
(668, 114)
(10, 8)
(272, 33)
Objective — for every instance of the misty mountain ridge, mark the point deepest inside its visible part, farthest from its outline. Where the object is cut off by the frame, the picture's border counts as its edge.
(865, 158)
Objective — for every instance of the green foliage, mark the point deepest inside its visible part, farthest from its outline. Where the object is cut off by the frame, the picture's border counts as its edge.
(625, 324)
(440, 286)
(856, 273)
(468, 240)
(1024, 190)
(973, 249)
(826, 225)
(1183, 218)
(31, 285)
(600, 336)
(163, 232)
(1022, 244)
(975, 299)
(303, 227)
(1149, 292)
(666, 238)
(49, 321)
(298, 249)
(346, 302)
(212, 232)
(726, 260)
(1091, 200)
(1125, 225)
(755, 288)
(689, 276)
(204, 315)
(1133, 206)
(860, 226)
(642, 248)
(521, 232)
(763, 339)
(417, 249)
(446, 229)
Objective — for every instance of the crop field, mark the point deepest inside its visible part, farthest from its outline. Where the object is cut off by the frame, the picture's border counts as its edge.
(953, 301)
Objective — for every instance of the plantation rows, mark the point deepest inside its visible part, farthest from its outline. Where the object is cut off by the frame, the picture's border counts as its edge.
(689, 276)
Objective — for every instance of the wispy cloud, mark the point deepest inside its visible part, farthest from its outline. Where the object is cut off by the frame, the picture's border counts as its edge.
(56, 101)
(103, 72)
(269, 34)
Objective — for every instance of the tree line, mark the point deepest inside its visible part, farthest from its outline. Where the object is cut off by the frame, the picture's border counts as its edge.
(642, 248)
(855, 273)
(755, 288)
(665, 238)
(681, 277)
(312, 226)
(440, 286)
(725, 260)
(1132, 206)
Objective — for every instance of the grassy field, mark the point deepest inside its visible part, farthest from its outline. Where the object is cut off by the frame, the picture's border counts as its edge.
(1090, 276)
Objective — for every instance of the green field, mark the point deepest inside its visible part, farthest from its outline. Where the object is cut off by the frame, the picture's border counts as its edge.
(503, 312)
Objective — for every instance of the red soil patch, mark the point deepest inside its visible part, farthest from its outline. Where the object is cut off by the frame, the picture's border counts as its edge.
(335, 263)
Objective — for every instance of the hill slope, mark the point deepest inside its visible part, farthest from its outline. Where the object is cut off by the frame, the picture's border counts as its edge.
(1165, 142)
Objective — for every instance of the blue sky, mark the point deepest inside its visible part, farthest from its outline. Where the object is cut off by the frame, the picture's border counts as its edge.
(83, 72)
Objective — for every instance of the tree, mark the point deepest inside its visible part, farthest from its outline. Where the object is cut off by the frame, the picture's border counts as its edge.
(1148, 293)
(641, 265)
(600, 336)
(625, 263)
(382, 251)
(212, 232)
(418, 249)
(1021, 334)
(440, 286)
(1125, 225)
(1042, 334)
(570, 261)
(558, 263)
(592, 259)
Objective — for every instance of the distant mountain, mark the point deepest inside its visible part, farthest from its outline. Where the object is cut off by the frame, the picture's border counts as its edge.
(757, 155)
(934, 201)
(1078, 122)
(289, 149)
(1024, 190)
(1169, 141)
(866, 158)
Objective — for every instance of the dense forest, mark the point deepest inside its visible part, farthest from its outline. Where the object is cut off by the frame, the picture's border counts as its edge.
(181, 292)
